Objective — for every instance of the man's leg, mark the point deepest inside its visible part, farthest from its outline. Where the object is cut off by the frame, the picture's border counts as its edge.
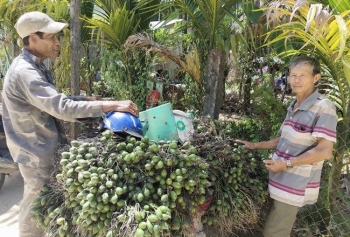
(280, 220)
(34, 180)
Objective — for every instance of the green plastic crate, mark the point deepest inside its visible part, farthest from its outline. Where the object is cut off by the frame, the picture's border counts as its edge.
(159, 123)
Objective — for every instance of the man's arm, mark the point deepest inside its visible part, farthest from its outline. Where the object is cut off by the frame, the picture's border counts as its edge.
(322, 151)
(109, 105)
(264, 145)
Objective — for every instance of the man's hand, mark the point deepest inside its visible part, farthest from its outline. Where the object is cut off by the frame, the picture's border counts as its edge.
(275, 165)
(247, 145)
(127, 106)
(121, 106)
(264, 145)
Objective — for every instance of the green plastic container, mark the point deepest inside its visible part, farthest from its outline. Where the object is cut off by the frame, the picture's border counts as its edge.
(159, 123)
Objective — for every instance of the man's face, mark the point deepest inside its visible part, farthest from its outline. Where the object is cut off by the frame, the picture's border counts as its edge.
(302, 80)
(46, 46)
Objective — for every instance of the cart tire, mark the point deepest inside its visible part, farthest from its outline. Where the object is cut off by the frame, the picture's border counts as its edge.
(2, 179)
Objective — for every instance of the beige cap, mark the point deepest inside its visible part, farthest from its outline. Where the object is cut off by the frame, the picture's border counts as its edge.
(32, 22)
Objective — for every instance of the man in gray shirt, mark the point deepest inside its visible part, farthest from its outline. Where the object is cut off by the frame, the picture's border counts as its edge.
(31, 106)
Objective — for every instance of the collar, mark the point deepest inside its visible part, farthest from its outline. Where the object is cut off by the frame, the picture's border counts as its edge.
(306, 103)
(35, 59)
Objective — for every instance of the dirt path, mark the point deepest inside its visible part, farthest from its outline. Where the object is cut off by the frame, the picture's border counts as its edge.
(10, 198)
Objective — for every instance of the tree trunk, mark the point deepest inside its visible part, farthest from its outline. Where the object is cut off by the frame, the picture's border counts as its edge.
(273, 75)
(213, 99)
(15, 49)
(247, 87)
(75, 29)
(196, 229)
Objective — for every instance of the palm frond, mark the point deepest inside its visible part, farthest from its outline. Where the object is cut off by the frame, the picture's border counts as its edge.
(343, 35)
(117, 28)
(144, 41)
(206, 17)
(339, 5)
(346, 67)
(108, 6)
(315, 26)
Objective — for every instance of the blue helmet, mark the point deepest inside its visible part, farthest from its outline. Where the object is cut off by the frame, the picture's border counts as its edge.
(124, 123)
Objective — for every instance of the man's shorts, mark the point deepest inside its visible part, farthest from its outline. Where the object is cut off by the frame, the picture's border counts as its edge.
(280, 220)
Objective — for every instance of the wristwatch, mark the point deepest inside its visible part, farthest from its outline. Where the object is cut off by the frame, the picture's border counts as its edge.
(289, 164)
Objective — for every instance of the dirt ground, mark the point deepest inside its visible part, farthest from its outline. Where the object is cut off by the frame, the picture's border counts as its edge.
(10, 198)
(214, 233)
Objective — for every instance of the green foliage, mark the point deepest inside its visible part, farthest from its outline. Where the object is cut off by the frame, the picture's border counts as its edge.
(207, 18)
(338, 6)
(268, 109)
(194, 90)
(89, 68)
(113, 76)
(4, 60)
(117, 20)
(62, 64)
(167, 37)
(139, 74)
(121, 19)
(124, 75)
(250, 129)
(194, 93)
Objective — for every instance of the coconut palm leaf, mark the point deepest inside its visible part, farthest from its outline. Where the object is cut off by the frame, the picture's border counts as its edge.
(10, 10)
(144, 10)
(189, 65)
(213, 12)
(205, 16)
(326, 36)
(120, 19)
(186, 7)
(339, 5)
(117, 28)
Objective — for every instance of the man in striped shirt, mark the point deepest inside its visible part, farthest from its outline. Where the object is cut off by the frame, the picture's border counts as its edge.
(306, 139)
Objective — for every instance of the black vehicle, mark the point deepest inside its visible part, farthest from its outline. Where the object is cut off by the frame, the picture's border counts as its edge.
(7, 166)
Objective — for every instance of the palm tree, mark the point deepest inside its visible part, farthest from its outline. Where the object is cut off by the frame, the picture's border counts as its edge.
(216, 30)
(113, 23)
(209, 21)
(314, 29)
(75, 42)
(75, 9)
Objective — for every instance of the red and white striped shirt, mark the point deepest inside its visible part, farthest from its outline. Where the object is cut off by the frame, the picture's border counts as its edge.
(315, 118)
